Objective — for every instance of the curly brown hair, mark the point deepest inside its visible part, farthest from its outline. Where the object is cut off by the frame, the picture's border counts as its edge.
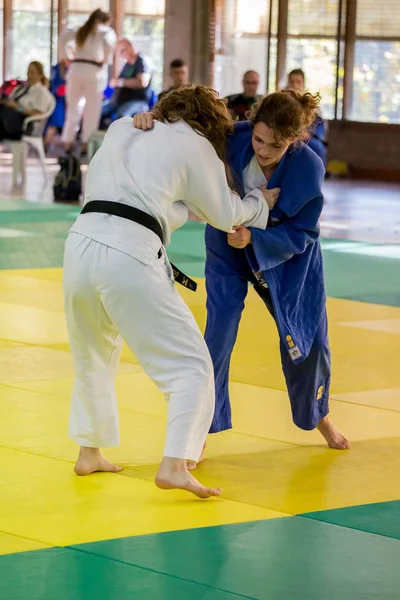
(202, 109)
(287, 112)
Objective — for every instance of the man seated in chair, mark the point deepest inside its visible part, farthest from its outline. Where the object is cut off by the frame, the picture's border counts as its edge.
(25, 101)
(131, 89)
(179, 73)
(241, 104)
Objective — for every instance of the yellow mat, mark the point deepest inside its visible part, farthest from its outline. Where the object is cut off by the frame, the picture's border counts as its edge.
(266, 466)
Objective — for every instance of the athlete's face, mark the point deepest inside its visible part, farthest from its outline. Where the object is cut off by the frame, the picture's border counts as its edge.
(268, 148)
(296, 82)
(250, 84)
(180, 76)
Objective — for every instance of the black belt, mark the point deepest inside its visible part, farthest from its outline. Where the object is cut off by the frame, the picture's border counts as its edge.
(138, 216)
(87, 62)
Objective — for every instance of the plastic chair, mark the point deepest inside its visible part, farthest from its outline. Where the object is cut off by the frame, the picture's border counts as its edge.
(152, 98)
(19, 148)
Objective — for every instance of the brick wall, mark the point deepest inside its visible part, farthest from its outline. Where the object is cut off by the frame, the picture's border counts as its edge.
(372, 150)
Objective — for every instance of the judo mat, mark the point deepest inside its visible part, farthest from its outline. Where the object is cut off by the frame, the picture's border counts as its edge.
(296, 521)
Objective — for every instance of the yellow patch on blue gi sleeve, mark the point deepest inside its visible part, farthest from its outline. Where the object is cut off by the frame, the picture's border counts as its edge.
(290, 341)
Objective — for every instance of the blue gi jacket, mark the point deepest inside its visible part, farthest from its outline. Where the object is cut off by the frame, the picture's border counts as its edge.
(288, 252)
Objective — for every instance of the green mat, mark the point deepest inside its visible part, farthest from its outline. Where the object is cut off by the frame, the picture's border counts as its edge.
(33, 235)
(293, 558)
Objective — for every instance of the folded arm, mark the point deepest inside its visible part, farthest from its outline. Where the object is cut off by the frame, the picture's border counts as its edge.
(141, 81)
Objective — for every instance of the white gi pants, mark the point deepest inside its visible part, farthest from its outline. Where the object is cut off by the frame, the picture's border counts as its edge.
(84, 95)
(106, 293)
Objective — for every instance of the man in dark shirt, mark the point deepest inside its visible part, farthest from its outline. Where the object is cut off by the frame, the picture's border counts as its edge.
(240, 104)
(131, 88)
(179, 73)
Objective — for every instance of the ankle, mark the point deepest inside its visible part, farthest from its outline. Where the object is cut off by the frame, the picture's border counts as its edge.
(86, 451)
(175, 465)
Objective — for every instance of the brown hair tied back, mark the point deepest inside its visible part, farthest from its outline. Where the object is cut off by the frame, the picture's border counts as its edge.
(287, 112)
(40, 69)
(98, 17)
(202, 109)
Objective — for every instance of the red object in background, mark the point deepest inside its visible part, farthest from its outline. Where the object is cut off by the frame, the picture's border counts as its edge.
(9, 86)
(61, 90)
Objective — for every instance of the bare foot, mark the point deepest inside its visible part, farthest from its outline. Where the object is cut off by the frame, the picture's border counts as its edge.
(331, 434)
(193, 465)
(91, 461)
(174, 475)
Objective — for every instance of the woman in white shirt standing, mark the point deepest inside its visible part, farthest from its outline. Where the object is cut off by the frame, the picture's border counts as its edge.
(92, 49)
(118, 280)
(25, 101)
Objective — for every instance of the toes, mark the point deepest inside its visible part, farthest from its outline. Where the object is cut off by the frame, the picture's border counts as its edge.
(344, 443)
(341, 444)
(110, 468)
(203, 492)
(214, 492)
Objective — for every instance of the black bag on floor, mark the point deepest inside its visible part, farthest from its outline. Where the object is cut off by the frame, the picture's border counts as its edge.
(68, 182)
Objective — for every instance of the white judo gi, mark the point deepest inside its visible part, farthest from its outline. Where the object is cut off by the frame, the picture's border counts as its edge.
(115, 285)
(86, 82)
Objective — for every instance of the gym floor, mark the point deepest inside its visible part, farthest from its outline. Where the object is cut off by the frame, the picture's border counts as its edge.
(296, 521)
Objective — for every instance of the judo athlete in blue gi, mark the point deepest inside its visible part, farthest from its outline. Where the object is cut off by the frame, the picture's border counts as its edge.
(283, 262)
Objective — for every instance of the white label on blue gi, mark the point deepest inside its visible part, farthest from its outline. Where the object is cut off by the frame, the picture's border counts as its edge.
(294, 353)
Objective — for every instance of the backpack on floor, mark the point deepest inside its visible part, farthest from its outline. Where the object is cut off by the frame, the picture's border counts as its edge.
(68, 182)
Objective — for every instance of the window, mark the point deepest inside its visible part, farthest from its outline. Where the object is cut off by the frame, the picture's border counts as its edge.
(144, 26)
(376, 72)
(245, 44)
(147, 8)
(317, 58)
(247, 39)
(378, 19)
(254, 20)
(312, 46)
(315, 18)
(78, 10)
(31, 33)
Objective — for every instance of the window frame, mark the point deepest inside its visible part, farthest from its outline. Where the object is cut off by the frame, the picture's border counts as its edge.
(346, 38)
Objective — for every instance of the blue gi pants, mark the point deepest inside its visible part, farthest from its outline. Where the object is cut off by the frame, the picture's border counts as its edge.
(227, 277)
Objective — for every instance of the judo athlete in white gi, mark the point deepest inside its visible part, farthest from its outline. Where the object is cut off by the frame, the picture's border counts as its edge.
(118, 282)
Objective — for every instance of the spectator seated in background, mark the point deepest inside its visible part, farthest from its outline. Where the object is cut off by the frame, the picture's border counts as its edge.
(27, 100)
(179, 74)
(316, 135)
(58, 89)
(132, 91)
(240, 104)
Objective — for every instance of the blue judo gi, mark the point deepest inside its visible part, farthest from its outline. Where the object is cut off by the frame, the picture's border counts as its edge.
(57, 83)
(284, 263)
(317, 140)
